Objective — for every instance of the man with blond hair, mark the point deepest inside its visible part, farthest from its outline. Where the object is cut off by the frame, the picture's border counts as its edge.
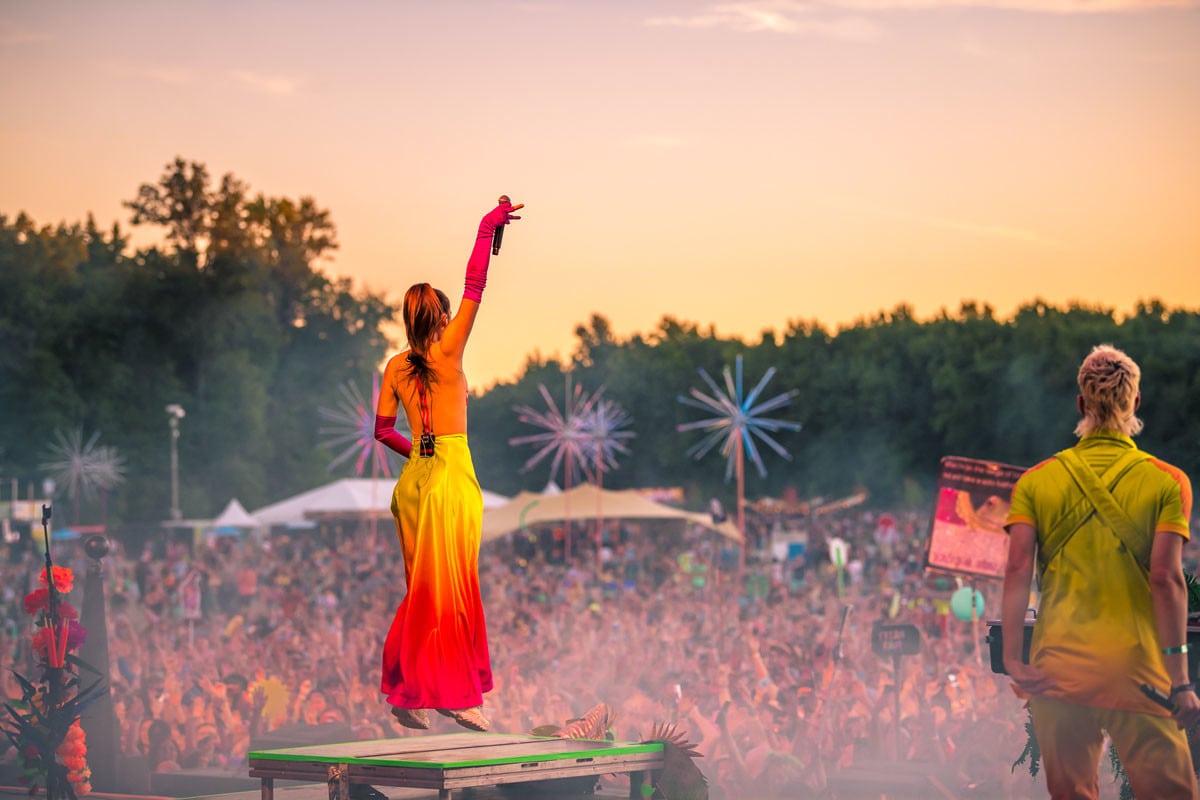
(1107, 523)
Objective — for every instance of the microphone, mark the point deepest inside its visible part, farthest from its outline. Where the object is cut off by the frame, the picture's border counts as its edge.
(497, 238)
(498, 234)
(1158, 697)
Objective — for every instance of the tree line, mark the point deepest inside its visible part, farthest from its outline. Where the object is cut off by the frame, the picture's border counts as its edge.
(232, 317)
(880, 402)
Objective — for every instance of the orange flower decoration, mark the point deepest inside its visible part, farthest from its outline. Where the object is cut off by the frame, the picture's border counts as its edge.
(64, 579)
(72, 753)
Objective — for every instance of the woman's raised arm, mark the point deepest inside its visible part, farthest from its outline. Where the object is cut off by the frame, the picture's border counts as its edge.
(454, 338)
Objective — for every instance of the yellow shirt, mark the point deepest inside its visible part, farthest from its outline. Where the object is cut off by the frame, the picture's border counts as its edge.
(1095, 633)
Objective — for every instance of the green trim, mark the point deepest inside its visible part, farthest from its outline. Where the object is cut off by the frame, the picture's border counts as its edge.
(405, 760)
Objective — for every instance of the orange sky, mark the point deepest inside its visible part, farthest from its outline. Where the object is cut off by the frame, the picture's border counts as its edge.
(736, 163)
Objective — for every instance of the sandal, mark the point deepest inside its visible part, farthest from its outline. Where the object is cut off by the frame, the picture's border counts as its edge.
(470, 718)
(417, 718)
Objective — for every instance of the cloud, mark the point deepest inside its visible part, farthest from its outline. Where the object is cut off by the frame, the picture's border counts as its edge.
(983, 230)
(1033, 6)
(775, 16)
(12, 33)
(826, 18)
(1005, 232)
(658, 141)
(265, 84)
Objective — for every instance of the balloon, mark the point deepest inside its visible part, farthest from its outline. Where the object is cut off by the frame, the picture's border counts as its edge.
(960, 603)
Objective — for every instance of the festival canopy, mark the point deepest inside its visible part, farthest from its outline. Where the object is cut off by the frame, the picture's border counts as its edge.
(587, 502)
(348, 497)
(235, 516)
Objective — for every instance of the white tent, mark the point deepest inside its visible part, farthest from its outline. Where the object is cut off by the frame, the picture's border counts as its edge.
(586, 502)
(235, 516)
(348, 497)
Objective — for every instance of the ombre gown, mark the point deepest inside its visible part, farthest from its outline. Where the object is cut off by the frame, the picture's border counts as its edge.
(436, 652)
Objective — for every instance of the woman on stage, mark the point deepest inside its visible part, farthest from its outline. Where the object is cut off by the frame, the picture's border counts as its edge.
(436, 652)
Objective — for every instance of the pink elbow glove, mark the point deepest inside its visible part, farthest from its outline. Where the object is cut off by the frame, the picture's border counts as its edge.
(481, 253)
(385, 431)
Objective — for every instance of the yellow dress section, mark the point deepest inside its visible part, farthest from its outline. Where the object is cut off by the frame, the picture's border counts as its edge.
(436, 652)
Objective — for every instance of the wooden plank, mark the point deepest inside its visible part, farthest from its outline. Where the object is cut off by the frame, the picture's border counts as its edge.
(372, 747)
(559, 749)
(427, 752)
(500, 774)
(546, 771)
(457, 761)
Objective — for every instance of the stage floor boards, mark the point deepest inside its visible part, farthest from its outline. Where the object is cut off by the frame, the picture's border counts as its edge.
(450, 762)
(319, 791)
(313, 791)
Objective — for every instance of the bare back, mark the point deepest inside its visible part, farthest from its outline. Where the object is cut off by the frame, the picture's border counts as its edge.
(448, 395)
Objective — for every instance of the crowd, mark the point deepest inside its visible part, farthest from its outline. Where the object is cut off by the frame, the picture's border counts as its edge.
(755, 664)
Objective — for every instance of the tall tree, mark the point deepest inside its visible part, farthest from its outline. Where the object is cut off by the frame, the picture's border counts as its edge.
(181, 202)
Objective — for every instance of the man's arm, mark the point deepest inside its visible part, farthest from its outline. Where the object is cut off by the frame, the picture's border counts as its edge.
(1168, 591)
(1014, 603)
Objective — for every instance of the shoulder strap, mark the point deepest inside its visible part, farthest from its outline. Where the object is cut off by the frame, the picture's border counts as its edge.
(427, 437)
(423, 403)
(1097, 490)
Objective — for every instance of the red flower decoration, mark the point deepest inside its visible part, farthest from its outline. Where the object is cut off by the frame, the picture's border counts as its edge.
(37, 600)
(64, 579)
(41, 642)
(76, 635)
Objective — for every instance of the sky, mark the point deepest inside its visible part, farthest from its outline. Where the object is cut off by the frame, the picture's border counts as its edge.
(742, 165)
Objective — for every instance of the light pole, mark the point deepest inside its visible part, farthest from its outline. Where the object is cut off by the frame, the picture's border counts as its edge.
(174, 414)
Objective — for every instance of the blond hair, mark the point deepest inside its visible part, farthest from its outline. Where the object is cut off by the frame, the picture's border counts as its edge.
(1108, 384)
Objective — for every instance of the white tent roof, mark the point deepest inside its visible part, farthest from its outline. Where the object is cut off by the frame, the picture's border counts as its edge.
(235, 516)
(348, 496)
(588, 502)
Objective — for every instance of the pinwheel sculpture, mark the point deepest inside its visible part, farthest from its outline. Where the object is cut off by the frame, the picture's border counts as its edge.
(84, 468)
(603, 425)
(738, 421)
(565, 433)
(566, 436)
(351, 426)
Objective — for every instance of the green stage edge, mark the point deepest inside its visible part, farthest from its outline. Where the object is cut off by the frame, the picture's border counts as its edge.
(612, 749)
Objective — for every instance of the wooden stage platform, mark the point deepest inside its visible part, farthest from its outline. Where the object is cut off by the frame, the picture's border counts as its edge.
(447, 762)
